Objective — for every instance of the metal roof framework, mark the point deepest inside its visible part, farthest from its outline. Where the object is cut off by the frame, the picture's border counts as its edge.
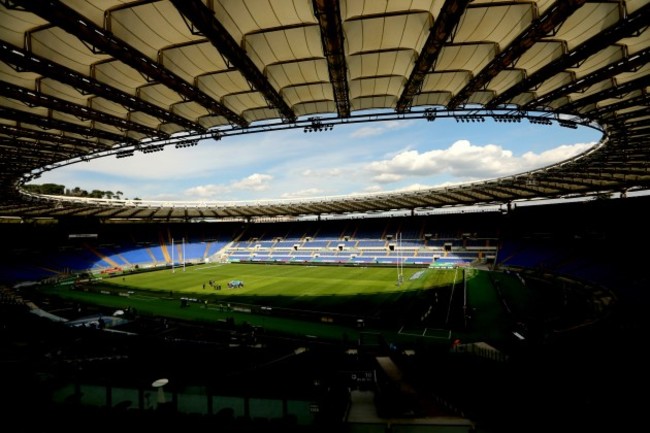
(81, 79)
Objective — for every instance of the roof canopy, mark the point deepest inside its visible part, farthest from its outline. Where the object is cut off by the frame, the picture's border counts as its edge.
(90, 78)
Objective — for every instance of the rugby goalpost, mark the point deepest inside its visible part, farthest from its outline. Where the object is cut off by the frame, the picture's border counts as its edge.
(400, 262)
(173, 248)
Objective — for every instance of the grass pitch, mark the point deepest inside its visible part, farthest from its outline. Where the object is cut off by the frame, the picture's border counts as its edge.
(285, 280)
(285, 297)
(329, 300)
(359, 291)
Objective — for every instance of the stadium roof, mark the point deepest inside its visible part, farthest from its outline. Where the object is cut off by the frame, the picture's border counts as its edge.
(101, 78)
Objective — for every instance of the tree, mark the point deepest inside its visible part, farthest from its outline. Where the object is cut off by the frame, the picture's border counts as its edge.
(46, 188)
(55, 189)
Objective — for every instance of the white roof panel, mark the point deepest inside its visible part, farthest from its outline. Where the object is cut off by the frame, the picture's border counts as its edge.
(386, 33)
(303, 71)
(159, 95)
(588, 21)
(150, 27)
(381, 63)
(120, 76)
(63, 48)
(499, 24)
(190, 61)
(471, 57)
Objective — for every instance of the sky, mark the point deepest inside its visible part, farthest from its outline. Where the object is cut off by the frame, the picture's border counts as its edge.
(358, 158)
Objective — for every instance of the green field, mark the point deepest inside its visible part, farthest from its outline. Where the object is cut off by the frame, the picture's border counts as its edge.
(329, 300)
(262, 280)
(286, 298)
(339, 290)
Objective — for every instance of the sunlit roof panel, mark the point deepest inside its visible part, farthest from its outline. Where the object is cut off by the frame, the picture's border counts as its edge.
(446, 81)
(280, 46)
(386, 33)
(260, 114)
(65, 49)
(63, 91)
(602, 59)
(397, 62)
(471, 57)
(539, 55)
(432, 98)
(150, 27)
(243, 17)
(240, 102)
(506, 79)
(22, 79)
(15, 24)
(160, 95)
(302, 71)
(94, 10)
(353, 9)
(192, 61)
(189, 110)
(496, 23)
(314, 107)
(120, 76)
(376, 87)
(588, 21)
(219, 85)
(372, 102)
(312, 92)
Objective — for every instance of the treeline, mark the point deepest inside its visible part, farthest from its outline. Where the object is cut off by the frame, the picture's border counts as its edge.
(55, 189)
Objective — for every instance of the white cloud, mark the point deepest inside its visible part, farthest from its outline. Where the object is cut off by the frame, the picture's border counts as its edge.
(303, 193)
(207, 191)
(367, 131)
(465, 161)
(387, 177)
(379, 128)
(560, 153)
(254, 182)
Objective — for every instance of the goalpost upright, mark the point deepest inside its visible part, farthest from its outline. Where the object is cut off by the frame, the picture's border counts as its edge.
(400, 263)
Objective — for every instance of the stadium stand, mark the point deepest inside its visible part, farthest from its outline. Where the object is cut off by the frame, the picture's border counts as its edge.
(561, 257)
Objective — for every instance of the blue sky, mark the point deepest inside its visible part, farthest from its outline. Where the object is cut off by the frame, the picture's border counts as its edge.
(350, 159)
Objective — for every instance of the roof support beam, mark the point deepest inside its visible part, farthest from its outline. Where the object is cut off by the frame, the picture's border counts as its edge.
(40, 136)
(49, 123)
(71, 21)
(612, 92)
(23, 60)
(624, 65)
(632, 127)
(635, 22)
(40, 99)
(643, 99)
(328, 13)
(629, 115)
(23, 147)
(204, 19)
(545, 24)
(445, 23)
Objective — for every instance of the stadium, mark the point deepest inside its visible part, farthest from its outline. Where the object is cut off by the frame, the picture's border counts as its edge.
(513, 304)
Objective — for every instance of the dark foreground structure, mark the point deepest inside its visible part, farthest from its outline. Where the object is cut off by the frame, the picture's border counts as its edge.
(229, 377)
